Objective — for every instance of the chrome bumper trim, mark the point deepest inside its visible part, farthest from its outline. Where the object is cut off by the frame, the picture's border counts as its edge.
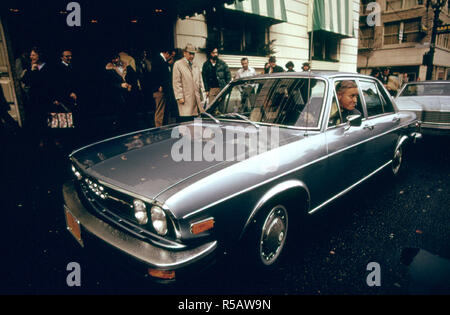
(156, 257)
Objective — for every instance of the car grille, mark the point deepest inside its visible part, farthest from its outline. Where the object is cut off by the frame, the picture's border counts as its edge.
(436, 117)
(117, 208)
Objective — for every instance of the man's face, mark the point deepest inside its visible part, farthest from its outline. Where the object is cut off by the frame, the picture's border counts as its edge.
(244, 64)
(272, 64)
(67, 57)
(189, 56)
(348, 98)
(166, 55)
(386, 72)
(305, 68)
(215, 54)
(34, 57)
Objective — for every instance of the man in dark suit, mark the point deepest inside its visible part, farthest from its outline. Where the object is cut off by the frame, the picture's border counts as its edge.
(67, 82)
(39, 77)
(161, 72)
(120, 92)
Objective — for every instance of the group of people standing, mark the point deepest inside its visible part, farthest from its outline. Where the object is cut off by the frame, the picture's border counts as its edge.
(391, 81)
(46, 88)
(272, 67)
(168, 84)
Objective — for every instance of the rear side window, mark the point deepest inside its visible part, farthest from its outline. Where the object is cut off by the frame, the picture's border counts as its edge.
(388, 107)
(374, 104)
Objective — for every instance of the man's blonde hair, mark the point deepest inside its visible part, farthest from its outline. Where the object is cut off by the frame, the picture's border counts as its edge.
(345, 85)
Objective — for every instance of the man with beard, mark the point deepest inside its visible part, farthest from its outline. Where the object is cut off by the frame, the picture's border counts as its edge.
(216, 74)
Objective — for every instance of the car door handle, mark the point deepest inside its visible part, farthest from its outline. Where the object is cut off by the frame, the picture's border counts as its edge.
(396, 119)
(370, 127)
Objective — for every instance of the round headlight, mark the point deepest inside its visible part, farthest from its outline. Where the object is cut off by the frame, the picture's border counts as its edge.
(140, 211)
(77, 174)
(159, 220)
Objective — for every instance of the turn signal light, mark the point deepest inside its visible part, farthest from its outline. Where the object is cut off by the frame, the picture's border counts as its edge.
(202, 226)
(162, 274)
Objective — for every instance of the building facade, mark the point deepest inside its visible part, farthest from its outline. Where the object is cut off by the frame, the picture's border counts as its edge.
(402, 38)
(324, 32)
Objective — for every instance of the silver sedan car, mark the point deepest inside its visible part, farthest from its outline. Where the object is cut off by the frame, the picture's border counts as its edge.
(430, 100)
(268, 153)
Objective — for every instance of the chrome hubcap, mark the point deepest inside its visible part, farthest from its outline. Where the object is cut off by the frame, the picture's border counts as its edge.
(273, 235)
(397, 162)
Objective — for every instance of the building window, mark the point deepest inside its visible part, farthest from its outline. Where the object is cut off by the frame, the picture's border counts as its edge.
(391, 33)
(238, 33)
(325, 46)
(443, 41)
(411, 31)
(395, 5)
(364, 4)
(366, 37)
(402, 32)
(407, 4)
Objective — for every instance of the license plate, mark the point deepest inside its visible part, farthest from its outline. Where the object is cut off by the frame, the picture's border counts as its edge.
(73, 226)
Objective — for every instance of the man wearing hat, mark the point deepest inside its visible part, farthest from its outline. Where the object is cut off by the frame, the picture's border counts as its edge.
(188, 85)
(306, 66)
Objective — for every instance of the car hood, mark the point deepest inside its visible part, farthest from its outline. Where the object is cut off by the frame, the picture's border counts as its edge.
(425, 103)
(147, 163)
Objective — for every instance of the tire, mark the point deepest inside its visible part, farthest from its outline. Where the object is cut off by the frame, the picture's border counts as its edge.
(266, 242)
(397, 162)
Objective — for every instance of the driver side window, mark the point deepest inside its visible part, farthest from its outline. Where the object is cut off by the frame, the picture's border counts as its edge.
(346, 102)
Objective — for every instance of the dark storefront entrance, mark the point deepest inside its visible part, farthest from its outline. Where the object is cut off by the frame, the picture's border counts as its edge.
(107, 27)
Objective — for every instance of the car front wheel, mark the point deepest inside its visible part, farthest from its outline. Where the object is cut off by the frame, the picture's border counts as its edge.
(273, 235)
(265, 242)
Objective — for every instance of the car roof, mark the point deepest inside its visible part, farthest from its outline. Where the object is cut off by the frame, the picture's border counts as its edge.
(428, 82)
(304, 74)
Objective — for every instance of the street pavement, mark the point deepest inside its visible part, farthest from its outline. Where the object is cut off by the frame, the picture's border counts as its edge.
(402, 225)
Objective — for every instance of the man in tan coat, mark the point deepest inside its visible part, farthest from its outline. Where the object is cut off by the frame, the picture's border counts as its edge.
(188, 85)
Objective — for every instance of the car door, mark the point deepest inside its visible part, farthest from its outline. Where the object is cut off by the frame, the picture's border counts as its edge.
(348, 148)
(381, 123)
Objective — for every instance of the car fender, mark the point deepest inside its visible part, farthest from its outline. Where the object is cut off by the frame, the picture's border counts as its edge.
(281, 188)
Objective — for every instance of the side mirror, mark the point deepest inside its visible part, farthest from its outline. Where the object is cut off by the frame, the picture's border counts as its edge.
(354, 120)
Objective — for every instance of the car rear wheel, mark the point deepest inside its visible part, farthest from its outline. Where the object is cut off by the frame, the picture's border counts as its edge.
(397, 161)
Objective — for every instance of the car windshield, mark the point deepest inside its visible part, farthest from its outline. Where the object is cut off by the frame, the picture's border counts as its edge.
(283, 101)
(426, 89)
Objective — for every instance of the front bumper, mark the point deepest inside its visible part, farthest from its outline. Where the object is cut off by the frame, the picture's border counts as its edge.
(150, 255)
(435, 128)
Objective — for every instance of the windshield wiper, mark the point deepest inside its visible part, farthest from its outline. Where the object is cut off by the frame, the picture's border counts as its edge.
(234, 115)
(211, 116)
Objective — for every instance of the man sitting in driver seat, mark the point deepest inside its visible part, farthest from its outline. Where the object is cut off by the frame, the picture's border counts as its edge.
(347, 94)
